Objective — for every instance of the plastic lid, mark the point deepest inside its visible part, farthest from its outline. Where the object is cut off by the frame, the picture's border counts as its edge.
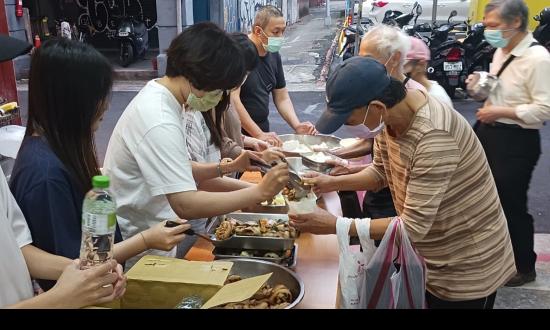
(100, 181)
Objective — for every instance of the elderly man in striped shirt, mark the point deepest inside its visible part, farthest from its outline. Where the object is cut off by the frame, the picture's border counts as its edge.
(440, 181)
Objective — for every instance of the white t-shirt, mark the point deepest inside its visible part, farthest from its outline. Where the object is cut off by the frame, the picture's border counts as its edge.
(439, 93)
(147, 159)
(15, 280)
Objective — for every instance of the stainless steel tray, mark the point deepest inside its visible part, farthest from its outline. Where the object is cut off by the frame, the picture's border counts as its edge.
(290, 262)
(310, 140)
(247, 268)
(250, 242)
(317, 166)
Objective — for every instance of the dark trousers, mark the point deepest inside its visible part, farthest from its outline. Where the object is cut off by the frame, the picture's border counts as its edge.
(512, 153)
(483, 303)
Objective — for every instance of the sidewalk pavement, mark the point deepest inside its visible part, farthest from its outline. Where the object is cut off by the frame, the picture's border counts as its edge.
(307, 47)
(535, 294)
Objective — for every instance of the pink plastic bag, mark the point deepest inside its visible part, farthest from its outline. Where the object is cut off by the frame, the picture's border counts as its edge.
(396, 282)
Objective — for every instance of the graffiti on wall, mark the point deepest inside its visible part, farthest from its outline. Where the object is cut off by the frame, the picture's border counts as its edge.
(231, 15)
(250, 7)
(101, 16)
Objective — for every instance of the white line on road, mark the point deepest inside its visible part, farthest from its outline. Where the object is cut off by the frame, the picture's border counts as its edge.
(311, 108)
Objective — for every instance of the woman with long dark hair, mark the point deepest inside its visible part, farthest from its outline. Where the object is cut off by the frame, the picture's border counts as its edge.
(69, 89)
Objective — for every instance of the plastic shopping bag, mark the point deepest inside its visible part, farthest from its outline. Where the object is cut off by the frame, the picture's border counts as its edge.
(396, 274)
(352, 264)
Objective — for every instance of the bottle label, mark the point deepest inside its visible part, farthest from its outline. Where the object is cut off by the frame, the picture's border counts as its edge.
(99, 224)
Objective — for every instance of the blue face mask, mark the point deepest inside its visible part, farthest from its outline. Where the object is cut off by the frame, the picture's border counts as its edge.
(274, 44)
(496, 39)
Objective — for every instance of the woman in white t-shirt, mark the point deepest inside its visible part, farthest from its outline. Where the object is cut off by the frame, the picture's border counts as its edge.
(416, 65)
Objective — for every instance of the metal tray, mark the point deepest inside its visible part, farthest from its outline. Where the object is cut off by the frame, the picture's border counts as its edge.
(250, 242)
(269, 209)
(247, 268)
(317, 166)
(290, 262)
(310, 140)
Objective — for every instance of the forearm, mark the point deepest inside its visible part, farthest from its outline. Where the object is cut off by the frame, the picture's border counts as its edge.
(202, 204)
(129, 248)
(44, 265)
(363, 180)
(246, 121)
(46, 300)
(223, 185)
(286, 109)
(360, 149)
(207, 171)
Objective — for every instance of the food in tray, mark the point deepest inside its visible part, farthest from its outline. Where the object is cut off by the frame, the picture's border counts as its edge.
(295, 146)
(320, 147)
(259, 253)
(278, 200)
(348, 142)
(262, 228)
(277, 297)
(318, 157)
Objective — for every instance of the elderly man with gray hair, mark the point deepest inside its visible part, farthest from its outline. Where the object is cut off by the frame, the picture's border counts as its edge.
(509, 121)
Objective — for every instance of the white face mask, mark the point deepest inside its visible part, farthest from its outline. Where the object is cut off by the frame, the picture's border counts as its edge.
(363, 132)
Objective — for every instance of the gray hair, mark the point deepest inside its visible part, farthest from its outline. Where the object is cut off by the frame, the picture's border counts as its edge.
(509, 10)
(265, 14)
(389, 40)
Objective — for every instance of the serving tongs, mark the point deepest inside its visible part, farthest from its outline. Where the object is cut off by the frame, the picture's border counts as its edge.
(300, 188)
(190, 232)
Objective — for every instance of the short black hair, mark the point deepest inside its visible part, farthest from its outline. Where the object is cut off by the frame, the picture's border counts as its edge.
(206, 56)
(393, 94)
(250, 52)
(211, 60)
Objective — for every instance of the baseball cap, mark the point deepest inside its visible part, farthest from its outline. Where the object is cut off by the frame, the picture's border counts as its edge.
(419, 50)
(353, 84)
(10, 48)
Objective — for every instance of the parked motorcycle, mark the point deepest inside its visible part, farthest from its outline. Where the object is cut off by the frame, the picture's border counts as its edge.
(542, 31)
(133, 40)
(448, 62)
(479, 53)
(399, 19)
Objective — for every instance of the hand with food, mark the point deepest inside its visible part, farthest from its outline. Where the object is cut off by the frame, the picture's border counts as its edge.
(273, 181)
(270, 137)
(321, 183)
(306, 128)
(163, 238)
(320, 222)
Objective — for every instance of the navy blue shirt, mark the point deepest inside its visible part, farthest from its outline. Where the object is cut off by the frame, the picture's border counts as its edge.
(50, 199)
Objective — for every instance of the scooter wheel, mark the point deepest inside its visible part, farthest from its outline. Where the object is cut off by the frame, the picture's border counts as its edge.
(126, 54)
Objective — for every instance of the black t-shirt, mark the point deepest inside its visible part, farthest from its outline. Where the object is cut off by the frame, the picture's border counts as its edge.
(267, 76)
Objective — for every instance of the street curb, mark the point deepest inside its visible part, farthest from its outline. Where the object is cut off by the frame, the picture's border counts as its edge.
(328, 60)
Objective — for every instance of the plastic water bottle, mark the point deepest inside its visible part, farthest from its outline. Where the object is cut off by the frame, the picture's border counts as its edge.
(98, 224)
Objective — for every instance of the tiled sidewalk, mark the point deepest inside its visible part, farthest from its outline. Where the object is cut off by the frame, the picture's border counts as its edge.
(535, 294)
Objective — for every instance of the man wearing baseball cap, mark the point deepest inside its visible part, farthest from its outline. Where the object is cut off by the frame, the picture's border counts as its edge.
(440, 181)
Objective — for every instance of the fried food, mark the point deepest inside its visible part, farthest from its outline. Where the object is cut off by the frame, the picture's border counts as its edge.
(267, 297)
(263, 227)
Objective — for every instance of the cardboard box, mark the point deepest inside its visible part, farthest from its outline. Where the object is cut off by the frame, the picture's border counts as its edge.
(162, 282)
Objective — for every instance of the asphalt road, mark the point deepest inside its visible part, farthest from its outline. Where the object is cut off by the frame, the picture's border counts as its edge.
(309, 106)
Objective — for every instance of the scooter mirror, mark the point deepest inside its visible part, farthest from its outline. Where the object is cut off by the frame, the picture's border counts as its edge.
(419, 10)
(453, 14)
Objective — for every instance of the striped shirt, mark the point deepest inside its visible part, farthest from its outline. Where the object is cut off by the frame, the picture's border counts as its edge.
(443, 189)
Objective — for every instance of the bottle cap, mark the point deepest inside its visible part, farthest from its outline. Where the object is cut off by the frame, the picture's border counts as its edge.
(100, 181)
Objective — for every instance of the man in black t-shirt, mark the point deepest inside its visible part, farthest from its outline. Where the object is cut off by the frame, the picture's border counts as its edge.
(252, 100)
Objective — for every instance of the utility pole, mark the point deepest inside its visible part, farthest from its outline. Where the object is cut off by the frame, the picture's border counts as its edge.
(328, 20)
(434, 11)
